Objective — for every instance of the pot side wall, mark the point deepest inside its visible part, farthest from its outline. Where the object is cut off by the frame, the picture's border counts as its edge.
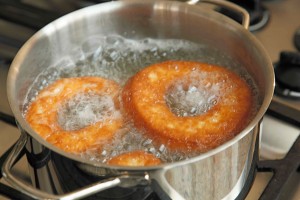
(216, 177)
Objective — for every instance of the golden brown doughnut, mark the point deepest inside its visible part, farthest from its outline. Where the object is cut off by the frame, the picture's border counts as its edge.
(144, 98)
(135, 158)
(42, 113)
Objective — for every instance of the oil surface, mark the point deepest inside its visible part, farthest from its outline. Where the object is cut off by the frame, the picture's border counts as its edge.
(118, 58)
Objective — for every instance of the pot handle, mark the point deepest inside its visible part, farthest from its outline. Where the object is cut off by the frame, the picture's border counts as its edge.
(122, 181)
(228, 5)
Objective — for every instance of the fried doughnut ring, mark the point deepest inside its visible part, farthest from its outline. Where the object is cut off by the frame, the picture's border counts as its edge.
(42, 114)
(135, 158)
(144, 99)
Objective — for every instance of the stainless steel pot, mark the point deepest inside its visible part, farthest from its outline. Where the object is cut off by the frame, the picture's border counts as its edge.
(217, 174)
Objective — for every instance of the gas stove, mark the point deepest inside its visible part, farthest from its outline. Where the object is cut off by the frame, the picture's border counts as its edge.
(276, 25)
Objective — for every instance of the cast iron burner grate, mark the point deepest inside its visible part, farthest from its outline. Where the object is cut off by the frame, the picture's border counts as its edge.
(259, 15)
(287, 73)
(72, 177)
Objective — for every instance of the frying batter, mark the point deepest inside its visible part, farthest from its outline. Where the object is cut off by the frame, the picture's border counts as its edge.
(44, 113)
(135, 158)
(219, 101)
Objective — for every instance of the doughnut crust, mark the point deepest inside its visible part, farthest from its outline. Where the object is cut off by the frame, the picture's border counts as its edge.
(144, 100)
(42, 113)
(135, 159)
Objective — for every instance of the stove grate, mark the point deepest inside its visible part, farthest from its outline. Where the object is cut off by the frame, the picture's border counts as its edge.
(283, 170)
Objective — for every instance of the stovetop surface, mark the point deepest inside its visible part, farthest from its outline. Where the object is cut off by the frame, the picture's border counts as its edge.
(277, 135)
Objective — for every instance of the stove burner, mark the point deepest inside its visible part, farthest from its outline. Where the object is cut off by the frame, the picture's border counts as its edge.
(297, 39)
(259, 15)
(287, 73)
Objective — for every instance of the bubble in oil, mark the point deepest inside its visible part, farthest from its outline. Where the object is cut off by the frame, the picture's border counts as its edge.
(191, 96)
(85, 109)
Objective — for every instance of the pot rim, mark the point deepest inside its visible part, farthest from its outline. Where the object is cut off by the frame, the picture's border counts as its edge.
(24, 126)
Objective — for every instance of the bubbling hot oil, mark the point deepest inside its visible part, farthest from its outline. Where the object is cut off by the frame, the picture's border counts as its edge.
(85, 109)
(130, 139)
(192, 96)
(118, 58)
